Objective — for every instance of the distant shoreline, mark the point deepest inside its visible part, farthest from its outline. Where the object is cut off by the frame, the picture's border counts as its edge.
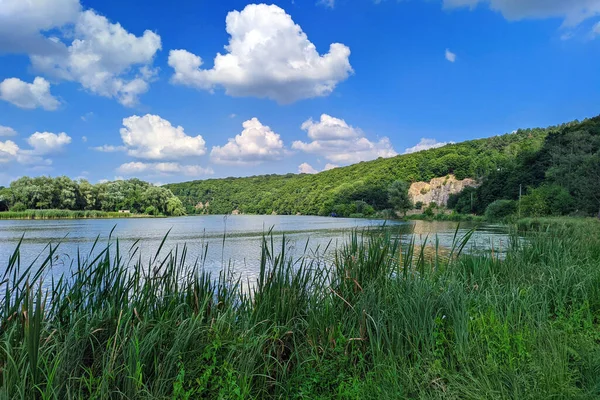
(67, 214)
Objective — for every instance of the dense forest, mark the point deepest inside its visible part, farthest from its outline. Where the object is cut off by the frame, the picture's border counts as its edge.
(558, 165)
(560, 178)
(63, 193)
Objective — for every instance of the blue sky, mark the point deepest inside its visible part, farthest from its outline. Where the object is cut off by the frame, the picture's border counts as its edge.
(106, 89)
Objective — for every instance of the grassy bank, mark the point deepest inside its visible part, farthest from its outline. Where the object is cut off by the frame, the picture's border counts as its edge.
(380, 321)
(66, 214)
(455, 217)
(557, 223)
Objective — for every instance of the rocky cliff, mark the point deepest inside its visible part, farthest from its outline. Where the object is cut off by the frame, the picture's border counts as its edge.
(438, 190)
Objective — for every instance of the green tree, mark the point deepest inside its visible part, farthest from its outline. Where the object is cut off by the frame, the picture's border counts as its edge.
(398, 197)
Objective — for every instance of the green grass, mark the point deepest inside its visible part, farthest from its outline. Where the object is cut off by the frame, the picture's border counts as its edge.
(380, 320)
(455, 217)
(65, 214)
(558, 223)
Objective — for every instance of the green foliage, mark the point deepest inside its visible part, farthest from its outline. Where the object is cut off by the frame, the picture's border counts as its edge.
(398, 196)
(500, 209)
(18, 206)
(62, 214)
(561, 177)
(379, 320)
(321, 193)
(62, 193)
(430, 210)
(463, 202)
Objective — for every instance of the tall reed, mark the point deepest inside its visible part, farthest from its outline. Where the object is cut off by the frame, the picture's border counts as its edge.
(382, 317)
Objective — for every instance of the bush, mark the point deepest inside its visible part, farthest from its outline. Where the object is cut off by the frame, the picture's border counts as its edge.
(500, 209)
(547, 200)
(18, 207)
(419, 205)
(151, 210)
(429, 211)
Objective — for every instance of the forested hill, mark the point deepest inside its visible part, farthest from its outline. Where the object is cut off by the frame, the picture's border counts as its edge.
(364, 185)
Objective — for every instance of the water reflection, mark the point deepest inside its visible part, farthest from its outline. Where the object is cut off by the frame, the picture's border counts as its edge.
(217, 242)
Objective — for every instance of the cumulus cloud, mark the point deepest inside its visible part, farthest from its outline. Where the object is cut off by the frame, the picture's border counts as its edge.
(21, 23)
(256, 144)
(341, 143)
(163, 168)
(85, 47)
(42, 144)
(268, 56)
(426, 144)
(105, 58)
(7, 131)
(28, 95)
(329, 166)
(450, 56)
(154, 138)
(572, 12)
(306, 168)
(8, 151)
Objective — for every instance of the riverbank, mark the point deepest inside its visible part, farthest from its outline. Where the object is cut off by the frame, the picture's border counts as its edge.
(454, 217)
(380, 321)
(67, 214)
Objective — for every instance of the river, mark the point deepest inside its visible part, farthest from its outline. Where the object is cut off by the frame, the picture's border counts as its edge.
(204, 237)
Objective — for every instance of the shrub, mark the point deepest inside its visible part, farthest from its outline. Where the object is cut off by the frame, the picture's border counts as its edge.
(18, 207)
(151, 210)
(500, 209)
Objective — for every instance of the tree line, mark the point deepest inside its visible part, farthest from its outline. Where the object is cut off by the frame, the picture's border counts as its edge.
(63, 193)
(359, 189)
(561, 178)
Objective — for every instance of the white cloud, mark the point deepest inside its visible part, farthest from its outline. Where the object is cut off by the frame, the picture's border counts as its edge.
(256, 144)
(268, 56)
(7, 131)
(84, 139)
(109, 149)
(105, 58)
(87, 116)
(28, 95)
(163, 168)
(327, 3)
(450, 56)
(596, 29)
(341, 143)
(572, 12)
(22, 21)
(426, 144)
(44, 143)
(306, 168)
(232, 115)
(83, 46)
(330, 128)
(154, 138)
(8, 151)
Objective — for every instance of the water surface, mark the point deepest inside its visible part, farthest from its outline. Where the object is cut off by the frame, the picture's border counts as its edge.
(216, 241)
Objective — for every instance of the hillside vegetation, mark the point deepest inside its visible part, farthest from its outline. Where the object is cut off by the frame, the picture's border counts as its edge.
(528, 157)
